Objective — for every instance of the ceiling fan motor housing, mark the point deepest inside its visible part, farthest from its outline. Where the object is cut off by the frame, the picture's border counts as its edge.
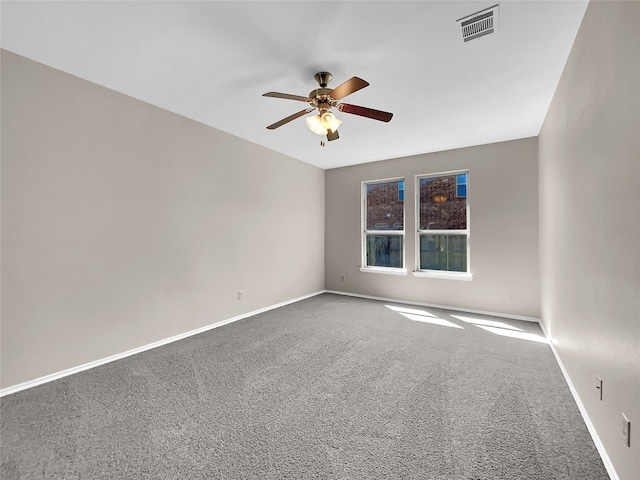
(320, 98)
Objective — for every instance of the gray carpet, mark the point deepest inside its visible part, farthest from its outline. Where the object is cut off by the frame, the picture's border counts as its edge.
(332, 387)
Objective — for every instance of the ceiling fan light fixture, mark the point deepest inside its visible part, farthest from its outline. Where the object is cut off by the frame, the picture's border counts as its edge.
(320, 124)
(329, 121)
(315, 125)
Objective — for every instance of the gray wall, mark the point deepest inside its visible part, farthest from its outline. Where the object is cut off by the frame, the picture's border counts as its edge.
(503, 196)
(590, 223)
(123, 224)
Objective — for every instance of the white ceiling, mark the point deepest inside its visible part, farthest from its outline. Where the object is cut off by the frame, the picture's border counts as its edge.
(212, 60)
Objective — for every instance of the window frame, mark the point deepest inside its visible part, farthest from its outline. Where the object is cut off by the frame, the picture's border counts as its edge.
(364, 232)
(442, 274)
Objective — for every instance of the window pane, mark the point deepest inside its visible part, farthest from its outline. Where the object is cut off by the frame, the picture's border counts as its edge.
(441, 205)
(461, 185)
(385, 206)
(443, 252)
(384, 251)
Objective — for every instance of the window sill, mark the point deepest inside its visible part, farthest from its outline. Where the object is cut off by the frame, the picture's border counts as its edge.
(464, 276)
(386, 271)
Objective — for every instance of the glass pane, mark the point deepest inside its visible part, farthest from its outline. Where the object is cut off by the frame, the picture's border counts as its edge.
(385, 206)
(384, 251)
(441, 206)
(457, 253)
(443, 252)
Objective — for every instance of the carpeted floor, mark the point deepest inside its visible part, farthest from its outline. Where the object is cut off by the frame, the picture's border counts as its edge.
(331, 387)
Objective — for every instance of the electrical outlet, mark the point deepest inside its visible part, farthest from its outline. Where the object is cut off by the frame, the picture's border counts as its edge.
(626, 430)
(512, 294)
(599, 387)
(342, 278)
(240, 295)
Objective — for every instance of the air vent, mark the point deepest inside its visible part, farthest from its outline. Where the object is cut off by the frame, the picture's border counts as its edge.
(479, 23)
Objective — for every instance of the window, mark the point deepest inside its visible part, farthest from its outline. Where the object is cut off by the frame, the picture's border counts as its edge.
(383, 226)
(443, 224)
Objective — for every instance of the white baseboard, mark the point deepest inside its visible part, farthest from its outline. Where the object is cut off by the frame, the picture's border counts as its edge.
(433, 305)
(608, 465)
(80, 368)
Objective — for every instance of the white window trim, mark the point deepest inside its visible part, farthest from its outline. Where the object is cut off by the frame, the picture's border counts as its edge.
(401, 272)
(441, 274)
(363, 224)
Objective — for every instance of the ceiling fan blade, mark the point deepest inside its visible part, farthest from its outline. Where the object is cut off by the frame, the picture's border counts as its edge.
(347, 88)
(332, 135)
(365, 112)
(273, 126)
(286, 96)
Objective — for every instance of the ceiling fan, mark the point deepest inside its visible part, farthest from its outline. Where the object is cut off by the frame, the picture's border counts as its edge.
(323, 99)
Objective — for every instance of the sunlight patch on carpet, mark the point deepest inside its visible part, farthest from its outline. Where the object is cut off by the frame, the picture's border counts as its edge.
(487, 323)
(532, 337)
(423, 316)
